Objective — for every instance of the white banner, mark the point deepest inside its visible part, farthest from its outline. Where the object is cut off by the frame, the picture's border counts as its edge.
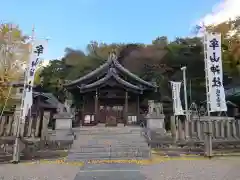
(38, 49)
(177, 105)
(214, 72)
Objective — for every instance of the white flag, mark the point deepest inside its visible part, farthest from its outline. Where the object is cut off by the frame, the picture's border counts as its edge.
(214, 72)
(28, 101)
(177, 105)
(38, 49)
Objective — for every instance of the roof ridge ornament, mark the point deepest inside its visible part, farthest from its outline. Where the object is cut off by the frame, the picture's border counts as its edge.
(112, 55)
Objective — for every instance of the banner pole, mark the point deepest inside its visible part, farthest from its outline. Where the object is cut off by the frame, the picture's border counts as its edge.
(208, 132)
(21, 118)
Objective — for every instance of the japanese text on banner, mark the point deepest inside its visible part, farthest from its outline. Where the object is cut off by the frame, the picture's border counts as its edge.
(38, 49)
(215, 73)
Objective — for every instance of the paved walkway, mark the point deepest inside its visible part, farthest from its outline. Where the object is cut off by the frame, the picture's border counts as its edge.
(216, 169)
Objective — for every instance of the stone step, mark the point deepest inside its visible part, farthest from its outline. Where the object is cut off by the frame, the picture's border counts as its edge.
(95, 150)
(108, 147)
(105, 158)
(105, 155)
(114, 133)
(112, 145)
(104, 143)
(108, 143)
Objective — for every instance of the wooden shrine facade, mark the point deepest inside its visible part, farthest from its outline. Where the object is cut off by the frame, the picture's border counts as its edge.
(110, 94)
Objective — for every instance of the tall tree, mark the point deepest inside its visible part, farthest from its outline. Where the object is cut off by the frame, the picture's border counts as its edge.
(14, 53)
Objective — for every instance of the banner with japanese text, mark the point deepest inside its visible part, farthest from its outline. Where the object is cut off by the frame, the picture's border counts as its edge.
(213, 63)
(38, 49)
(177, 105)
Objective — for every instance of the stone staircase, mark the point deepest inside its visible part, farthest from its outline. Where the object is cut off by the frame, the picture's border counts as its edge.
(102, 143)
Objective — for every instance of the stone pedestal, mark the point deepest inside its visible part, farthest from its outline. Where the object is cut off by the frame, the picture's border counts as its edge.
(63, 121)
(155, 116)
(63, 126)
(155, 121)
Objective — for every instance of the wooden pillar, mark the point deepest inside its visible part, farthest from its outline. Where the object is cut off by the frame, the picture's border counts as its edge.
(126, 107)
(138, 110)
(83, 115)
(96, 107)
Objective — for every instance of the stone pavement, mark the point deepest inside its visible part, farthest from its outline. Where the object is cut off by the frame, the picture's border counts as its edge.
(215, 169)
(37, 172)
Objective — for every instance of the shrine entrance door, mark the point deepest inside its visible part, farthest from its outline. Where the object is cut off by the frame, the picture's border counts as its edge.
(111, 115)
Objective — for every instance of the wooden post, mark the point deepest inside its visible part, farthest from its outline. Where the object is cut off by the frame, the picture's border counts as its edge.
(216, 127)
(180, 130)
(222, 128)
(126, 107)
(238, 122)
(2, 126)
(234, 133)
(173, 128)
(96, 107)
(16, 119)
(10, 124)
(138, 110)
(38, 125)
(228, 128)
(45, 121)
(199, 132)
(30, 120)
(192, 127)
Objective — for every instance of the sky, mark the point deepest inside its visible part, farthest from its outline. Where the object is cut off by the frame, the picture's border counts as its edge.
(74, 23)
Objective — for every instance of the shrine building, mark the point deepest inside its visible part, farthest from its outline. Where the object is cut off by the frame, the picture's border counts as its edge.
(110, 94)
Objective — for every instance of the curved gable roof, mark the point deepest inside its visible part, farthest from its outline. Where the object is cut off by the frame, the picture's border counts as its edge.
(112, 60)
(111, 74)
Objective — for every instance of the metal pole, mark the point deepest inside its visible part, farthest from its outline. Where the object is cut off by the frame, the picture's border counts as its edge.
(190, 91)
(186, 101)
(185, 90)
(16, 149)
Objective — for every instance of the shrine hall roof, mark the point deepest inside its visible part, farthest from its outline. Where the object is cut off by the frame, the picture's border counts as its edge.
(110, 68)
(111, 74)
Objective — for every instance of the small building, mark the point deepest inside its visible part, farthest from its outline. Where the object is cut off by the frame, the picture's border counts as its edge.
(110, 94)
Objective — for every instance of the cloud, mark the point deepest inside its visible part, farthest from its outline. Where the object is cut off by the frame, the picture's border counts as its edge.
(223, 11)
